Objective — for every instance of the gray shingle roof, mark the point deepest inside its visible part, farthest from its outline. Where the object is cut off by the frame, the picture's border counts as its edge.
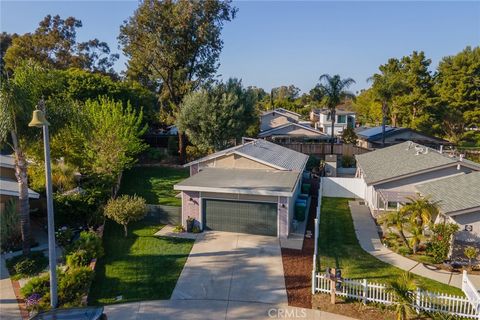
(266, 152)
(274, 154)
(455, 193)
(245, 181)
(398, 160)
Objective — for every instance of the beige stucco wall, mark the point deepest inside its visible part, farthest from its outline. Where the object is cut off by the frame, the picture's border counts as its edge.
(233, 161)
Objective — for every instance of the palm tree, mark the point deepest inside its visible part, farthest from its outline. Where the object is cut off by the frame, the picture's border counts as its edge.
(416, 237)
(334, 91)
(402, 289)
(420, 211)
(385, 87)
(396, 219)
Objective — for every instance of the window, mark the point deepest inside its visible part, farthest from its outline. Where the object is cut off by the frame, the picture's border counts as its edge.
(342, 119)
(392, 205)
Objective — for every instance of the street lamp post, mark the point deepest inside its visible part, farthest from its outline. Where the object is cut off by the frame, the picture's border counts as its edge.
(39, 121)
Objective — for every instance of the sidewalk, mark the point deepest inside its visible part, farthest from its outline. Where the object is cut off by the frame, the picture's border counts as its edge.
(212, 309)
(8, 301)
(367, 235)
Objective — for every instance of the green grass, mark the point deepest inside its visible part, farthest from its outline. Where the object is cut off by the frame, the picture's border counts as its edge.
(155, 184)
(139, 267)
(339, 247)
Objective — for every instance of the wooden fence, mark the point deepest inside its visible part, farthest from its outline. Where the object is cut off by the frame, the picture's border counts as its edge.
(321, 148)
(374, 292)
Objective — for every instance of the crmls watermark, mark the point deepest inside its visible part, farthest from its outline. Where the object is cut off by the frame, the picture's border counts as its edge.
(287, 313)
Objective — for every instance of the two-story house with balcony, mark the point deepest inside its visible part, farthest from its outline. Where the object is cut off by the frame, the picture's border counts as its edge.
(323, 121)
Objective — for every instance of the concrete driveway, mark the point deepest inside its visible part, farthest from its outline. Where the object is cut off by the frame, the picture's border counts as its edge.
(233, 267)
(227, 276)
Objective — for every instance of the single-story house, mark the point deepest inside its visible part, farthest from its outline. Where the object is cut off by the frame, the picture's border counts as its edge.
(390, 175)
(249, 188)
(371, 137)
(8, 182)
(458, 198)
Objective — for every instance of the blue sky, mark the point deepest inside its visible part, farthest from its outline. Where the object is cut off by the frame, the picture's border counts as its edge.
(291, 42)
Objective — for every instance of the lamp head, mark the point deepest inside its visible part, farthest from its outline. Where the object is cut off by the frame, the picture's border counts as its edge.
(38, 119)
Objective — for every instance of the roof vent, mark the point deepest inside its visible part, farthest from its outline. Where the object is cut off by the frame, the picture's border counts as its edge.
(461, 157)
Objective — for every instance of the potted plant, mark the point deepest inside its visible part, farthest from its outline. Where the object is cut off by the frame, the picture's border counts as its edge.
(190, 223)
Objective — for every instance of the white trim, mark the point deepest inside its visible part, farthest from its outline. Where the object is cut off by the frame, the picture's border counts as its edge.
(463, 211)
(31, 194)
(233, 190)
(239, 200)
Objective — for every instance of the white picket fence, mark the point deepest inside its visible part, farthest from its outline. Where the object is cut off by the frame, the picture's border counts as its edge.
(374, 292)
(471, 291)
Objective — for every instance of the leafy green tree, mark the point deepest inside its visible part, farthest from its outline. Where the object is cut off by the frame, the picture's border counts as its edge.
(54, 44)
(106, 138)
(368, 109)
(349, 135)
(5, 43)
(174, 47)
(402, 289)
(457, 83)
(334, 91)
(215, 118)
(126, 209)
(386, 85)
(439, 245)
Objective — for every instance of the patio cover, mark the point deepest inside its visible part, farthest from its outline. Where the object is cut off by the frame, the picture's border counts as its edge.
(396, 196)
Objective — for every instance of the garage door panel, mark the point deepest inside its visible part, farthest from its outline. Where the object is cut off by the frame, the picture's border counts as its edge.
(238, 216)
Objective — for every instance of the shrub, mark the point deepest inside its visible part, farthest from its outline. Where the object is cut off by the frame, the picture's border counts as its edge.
(349, 136)
(10, 234)
(78, 258)
(25, 266)
(64, 236)
(39, 285)
(73, 285)
(126, 209)
(312, 163)
(196, 229)
(348, 161)
(87, 247)
(439, 246)
(154, 154)
(403, 250)
(78, 209)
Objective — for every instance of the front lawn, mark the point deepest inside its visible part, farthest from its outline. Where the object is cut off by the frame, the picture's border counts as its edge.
(139, 267)
(155, 184)
(339, 247)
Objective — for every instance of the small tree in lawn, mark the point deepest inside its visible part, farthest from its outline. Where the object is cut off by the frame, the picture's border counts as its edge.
(471, 253)
(126, 209)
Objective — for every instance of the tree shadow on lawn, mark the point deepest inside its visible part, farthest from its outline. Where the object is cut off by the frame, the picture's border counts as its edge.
(139, 267)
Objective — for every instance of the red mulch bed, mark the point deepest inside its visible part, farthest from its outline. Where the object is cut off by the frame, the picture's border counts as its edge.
(297, 265)
(20, 300)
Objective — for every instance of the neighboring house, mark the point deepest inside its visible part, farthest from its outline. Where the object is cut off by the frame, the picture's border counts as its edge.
(282, 125)
(390, 175)
(323, 122)
(289, 132)
(250, 188)
(372, 137)
(458, 198)
(276, 118)
(8, 182)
